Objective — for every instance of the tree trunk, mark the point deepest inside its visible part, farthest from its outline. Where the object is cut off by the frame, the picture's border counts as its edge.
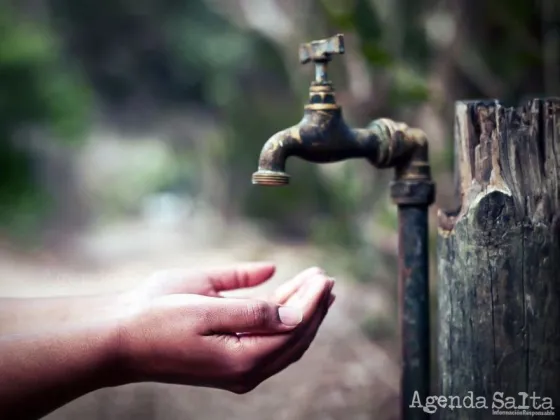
(499, 261)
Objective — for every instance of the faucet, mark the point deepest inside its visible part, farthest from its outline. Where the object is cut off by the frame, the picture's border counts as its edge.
(322, 136)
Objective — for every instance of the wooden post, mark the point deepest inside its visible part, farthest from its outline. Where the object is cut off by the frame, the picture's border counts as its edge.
(499, 261)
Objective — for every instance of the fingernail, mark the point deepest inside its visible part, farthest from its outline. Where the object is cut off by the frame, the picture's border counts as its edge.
(290, 315)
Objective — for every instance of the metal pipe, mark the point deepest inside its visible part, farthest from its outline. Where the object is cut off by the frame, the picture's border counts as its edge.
(414, 308)
(322, 136)
(413, 191)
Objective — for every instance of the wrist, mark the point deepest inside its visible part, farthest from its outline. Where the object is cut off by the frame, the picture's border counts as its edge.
(114, 361)
(105, 356)
(107, 320)
(105, 332)
(123, 346)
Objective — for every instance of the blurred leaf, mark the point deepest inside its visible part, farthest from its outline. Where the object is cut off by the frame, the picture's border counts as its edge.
(67, 103)
(408, 87)
(361, 17)
(36, 89)
(377, 55)
(367, 22)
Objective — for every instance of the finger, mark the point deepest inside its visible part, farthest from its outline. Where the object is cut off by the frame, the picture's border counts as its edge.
(297, 347)
(230, 316)
(304, 339)
(286, 290)
(261, 346)
(332, 299)
(240, 276)
(299, 296)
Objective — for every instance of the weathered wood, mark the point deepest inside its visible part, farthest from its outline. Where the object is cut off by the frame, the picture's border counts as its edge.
(499, 258)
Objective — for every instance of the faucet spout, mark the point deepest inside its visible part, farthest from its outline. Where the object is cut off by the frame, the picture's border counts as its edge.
(272, 161)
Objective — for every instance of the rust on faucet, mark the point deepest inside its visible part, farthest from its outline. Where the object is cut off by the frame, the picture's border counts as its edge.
(322, 136)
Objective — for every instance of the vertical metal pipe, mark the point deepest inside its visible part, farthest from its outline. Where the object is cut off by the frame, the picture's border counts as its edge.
(414, 308)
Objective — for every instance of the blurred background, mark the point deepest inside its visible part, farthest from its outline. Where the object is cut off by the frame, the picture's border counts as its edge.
(129, 131)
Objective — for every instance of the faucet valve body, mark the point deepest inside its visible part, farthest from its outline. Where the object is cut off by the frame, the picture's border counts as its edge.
(322, 136)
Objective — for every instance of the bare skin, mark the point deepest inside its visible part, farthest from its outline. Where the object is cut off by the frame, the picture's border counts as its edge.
(177, 327)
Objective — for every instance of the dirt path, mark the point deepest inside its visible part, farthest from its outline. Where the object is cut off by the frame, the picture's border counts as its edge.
(343, 376)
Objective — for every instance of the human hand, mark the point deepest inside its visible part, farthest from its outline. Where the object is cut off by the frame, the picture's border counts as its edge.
(227, 343)
(24, 315)
(218, 282)
(69, 346)
(211, 282)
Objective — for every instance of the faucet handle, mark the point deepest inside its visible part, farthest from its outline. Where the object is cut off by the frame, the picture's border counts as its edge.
(321, 51)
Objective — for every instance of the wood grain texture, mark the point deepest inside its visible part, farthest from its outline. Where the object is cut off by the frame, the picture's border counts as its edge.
(499, 256)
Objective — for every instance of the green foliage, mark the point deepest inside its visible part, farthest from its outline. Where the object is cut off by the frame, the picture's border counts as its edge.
(22, 203)
(35, 87)
(360, 16)
(408, 88)
(35, 90)
(211, 49)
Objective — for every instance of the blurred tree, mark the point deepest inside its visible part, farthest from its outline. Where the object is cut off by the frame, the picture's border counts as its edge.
(149, 58)
(37, 88)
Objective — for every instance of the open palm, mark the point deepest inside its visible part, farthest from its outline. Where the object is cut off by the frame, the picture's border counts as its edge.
(217, 281)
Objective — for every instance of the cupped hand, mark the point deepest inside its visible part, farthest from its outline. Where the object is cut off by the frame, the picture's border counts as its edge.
(208, 282)
(220, 342)
(217, 282)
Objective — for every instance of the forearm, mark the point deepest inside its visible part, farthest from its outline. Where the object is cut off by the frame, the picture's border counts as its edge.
(41, 372)
(30, 315)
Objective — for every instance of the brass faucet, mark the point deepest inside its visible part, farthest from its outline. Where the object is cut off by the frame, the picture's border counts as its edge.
(322, 136)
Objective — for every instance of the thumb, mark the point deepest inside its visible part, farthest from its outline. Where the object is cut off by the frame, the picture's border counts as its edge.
(251, 316)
